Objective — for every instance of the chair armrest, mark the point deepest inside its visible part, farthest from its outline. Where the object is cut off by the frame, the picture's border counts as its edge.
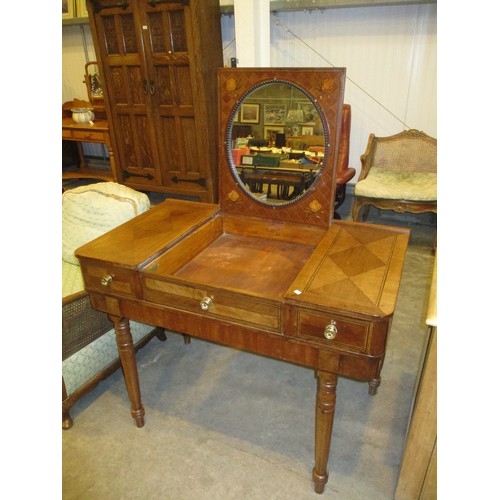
(367, 157)
(345, 176)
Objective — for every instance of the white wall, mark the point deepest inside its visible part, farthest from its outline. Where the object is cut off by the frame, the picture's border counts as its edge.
(389, 53)
(390, 56)
(77, 50)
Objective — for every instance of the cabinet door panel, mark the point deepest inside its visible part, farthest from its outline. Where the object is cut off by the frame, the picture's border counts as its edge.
(167, 29)
(111, 36)
(165, 49)
(119, 34)
(181, 162)
(169, 142)
(188, 127)
(128, 34)
(137, 86)
(184, 92)
(163, 86)
(129, 88)
(139, 160)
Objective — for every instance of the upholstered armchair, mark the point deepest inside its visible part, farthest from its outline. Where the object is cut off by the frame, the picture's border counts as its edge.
(89, 352)
(398, 173)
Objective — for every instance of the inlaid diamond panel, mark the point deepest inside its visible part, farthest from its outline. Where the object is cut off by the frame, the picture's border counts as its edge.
(353, 269)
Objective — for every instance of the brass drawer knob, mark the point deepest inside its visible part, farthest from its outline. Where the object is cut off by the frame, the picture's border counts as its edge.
(205, 303)
(106, 280)
(330, 331)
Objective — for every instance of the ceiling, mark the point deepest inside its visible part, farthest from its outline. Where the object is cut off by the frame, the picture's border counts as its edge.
(276, 5)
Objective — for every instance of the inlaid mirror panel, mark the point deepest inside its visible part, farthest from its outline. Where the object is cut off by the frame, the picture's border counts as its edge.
(280, 130)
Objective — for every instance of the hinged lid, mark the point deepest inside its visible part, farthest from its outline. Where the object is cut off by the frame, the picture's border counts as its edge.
(290, 120)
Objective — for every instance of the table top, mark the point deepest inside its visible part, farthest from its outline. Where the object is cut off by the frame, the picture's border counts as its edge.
(355, 267)
(101, 125)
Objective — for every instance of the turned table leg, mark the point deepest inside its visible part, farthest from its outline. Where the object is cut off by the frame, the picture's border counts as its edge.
(127, 357)
(373, 386)
(325, 410)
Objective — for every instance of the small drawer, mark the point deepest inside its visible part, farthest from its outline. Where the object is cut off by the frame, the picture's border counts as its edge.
(67, 134)
(112, 280)
(233, 306)
(89, 135)
(347, 333)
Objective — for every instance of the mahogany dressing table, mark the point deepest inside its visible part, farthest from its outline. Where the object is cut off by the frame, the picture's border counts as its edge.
(277, 277)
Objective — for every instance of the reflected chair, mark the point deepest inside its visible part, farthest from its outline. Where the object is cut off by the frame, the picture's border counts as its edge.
(398, 173)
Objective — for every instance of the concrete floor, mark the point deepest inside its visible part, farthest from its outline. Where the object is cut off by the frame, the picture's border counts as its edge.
(224, 424)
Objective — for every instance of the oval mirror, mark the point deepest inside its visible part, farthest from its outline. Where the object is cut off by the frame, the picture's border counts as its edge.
(276, 143)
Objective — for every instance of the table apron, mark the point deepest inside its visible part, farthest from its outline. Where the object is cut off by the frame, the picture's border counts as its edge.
(355, 365)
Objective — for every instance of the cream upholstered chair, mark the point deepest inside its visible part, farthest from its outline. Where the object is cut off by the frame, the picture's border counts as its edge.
(398, 173)
(89, 351)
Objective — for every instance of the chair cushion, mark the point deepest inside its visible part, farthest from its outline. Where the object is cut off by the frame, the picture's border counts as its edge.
(72, 279)
(90, 211)
(393, 185)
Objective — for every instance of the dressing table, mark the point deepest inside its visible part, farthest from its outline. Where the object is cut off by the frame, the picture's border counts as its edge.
(274, 277)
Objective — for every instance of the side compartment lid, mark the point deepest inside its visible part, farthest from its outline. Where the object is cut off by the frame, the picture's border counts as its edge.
(356, 268)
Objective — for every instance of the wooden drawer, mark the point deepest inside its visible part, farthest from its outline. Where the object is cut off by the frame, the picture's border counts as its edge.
(66, 134)
(88, 135)
(350, 333)
(225, 305)
(112, 280)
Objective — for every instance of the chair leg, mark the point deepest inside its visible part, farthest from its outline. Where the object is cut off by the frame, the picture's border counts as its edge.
(160, 334)
(364, 215)
(355, 210)
(67, 421)
(357, 206)
(340, 195)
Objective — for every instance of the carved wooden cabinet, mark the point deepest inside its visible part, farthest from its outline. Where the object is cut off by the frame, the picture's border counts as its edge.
(159, 65)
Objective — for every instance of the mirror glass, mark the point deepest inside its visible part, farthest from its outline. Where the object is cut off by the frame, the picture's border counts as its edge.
(276, 143)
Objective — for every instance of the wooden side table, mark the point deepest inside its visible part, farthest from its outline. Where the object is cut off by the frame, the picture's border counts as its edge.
(84, 132)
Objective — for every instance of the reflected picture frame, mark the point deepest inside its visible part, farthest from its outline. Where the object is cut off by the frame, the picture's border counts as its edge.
(310, 112)
(249, 113)
(68, 9)
(275, 114)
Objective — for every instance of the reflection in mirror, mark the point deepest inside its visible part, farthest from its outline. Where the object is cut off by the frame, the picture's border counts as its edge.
(276, 143)
(93, 82)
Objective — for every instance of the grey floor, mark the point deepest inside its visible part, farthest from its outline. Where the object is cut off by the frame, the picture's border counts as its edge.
(224, 424)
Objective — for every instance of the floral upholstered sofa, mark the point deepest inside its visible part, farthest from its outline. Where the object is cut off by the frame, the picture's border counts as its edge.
(88, 340)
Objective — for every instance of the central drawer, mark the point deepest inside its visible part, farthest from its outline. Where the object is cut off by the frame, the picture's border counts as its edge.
(214, 303)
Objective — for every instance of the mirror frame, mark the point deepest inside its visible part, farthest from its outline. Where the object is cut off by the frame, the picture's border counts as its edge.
(325, 87)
